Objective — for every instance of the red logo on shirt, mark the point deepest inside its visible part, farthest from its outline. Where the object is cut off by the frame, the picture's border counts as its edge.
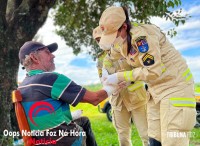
(37, 107)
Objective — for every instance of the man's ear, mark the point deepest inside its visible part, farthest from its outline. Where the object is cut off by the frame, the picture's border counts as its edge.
(34, 58)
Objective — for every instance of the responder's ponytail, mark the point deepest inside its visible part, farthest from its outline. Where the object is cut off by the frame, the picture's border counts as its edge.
(127, 21)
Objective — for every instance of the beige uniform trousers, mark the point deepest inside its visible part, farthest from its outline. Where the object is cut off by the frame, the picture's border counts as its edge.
(122, 123)
(128, 105)
(169, 124)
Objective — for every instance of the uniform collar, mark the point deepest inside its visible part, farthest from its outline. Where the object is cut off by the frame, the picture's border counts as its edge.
(34, 72)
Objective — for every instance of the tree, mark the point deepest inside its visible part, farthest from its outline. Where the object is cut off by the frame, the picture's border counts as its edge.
(76, 19)
(19, 22)
(21, 19)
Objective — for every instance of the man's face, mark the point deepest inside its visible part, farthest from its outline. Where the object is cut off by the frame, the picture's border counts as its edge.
(46, 59)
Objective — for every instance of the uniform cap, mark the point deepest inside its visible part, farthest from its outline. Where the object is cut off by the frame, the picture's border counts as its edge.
(97, 32)
(32, 46)
(111, 20)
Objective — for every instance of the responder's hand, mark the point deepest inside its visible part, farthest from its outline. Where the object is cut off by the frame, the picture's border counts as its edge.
(124, 84)
(110, 89)
(104, 75)
(111, 79)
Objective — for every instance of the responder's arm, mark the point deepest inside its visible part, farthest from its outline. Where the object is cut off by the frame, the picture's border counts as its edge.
(149, 57)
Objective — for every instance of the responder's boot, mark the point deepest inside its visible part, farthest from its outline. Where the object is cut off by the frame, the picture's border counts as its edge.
(153, 142)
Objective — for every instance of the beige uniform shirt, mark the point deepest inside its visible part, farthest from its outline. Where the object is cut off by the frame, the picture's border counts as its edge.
(99, 64)
(132, 99)
(157, 62)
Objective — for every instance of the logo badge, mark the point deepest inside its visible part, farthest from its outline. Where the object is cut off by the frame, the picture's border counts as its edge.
(132, 51)
(142, 44)
(148, 59)
(37, 107)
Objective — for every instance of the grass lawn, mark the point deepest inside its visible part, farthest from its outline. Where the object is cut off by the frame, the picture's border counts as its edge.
(104, 131)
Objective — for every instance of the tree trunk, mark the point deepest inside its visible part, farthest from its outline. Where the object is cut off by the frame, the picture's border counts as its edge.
(8, 76)
(17, 26)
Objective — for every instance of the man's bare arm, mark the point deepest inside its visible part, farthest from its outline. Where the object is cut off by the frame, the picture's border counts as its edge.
(94, 97)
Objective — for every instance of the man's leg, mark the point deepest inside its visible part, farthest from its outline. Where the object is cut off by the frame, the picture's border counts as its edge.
(84, 122)
(140, 120)
(122, 123)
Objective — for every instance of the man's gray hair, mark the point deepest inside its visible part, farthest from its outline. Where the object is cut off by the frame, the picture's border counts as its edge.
(27, 61)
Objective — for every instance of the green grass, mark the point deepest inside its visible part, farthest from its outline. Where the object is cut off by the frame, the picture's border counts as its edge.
(104, 131)
(197, 88)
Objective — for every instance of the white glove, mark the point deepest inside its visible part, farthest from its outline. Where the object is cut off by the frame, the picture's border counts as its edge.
(104, 75)
(76, 114)
(124, 84)
(110, 89)
(111, 79)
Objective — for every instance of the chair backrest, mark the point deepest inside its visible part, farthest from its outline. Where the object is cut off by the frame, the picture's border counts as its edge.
(21, 116)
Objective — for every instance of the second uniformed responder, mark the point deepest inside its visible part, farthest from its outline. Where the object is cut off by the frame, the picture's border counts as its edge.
(171, 109)
(128, 104)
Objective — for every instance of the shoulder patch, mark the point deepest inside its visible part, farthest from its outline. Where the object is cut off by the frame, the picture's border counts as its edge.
(132, 51)
(148, 59)
(142, 44)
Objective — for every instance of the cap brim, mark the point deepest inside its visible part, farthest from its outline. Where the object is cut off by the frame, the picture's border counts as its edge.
(52, 47)
(108, 39)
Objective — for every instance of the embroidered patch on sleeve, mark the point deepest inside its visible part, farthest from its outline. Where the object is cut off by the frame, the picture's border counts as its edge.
(148, 59)
(132, 51)
(142, 44)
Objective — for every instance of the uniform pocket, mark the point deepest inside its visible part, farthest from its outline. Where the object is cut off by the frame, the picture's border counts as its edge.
(175, 118)
(189, 118)
(138, 95)
(181, 118)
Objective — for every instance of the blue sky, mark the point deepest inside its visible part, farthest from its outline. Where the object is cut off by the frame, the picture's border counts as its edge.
(82, 69)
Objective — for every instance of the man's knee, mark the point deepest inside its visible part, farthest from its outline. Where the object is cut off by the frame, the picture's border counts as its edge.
(83, 122)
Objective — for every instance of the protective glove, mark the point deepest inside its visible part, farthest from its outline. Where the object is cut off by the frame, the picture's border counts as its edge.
(124, 84)
(110, 89)
(76, 114)
(104, 75)
(119, 77)
(111, 80)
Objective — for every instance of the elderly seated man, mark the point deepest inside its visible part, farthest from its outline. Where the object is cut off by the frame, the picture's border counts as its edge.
(47, 96)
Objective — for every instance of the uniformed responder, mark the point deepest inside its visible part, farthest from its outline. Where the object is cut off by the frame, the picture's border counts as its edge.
(127, 104)
(171, 109)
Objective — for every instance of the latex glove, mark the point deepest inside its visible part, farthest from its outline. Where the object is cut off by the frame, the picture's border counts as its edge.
(111, 79)
(104, 75)
(110, 89)
(124, 84)
(76, 114)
